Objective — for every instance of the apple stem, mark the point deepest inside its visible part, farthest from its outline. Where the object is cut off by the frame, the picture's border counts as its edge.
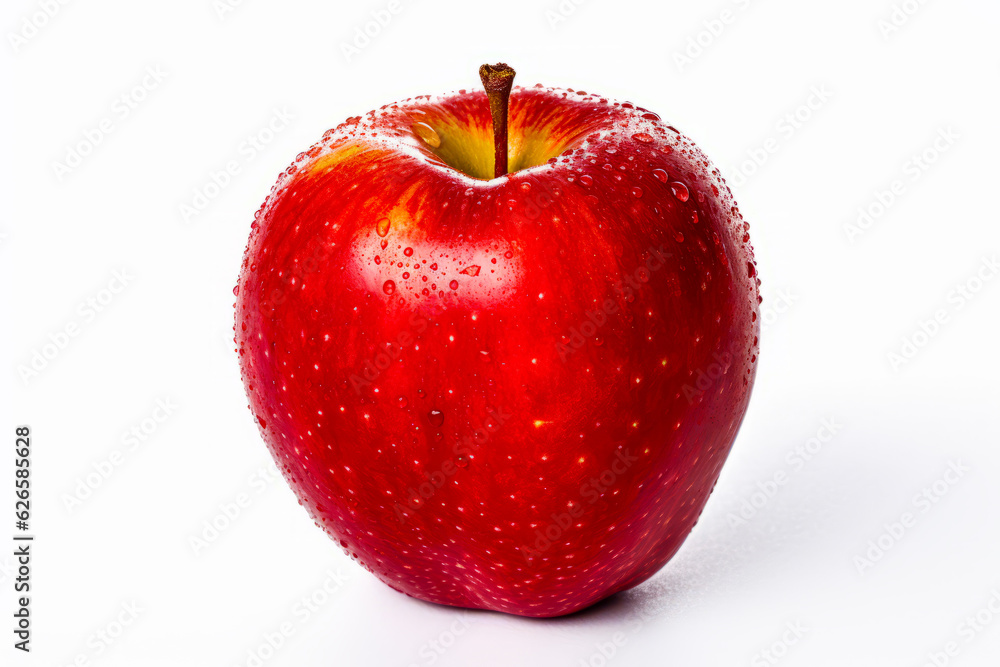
(498, 80)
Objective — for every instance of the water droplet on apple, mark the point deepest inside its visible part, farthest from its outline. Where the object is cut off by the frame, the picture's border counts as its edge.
(384, 244)
(680, 191)
(462, 462)
(472, 270)
(435, 417)
(643, 138)
(660, 175)
(408, 252)
(378, 260)
(586, 180)
(403, 402)
(637, 191)
(453, 284)
(679, 237)
(427, 134)
(236, 291)
(649, 115)
(525, 186)
(389, 287)
(382, 227)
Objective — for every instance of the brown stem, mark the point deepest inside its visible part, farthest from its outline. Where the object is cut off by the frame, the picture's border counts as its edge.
(498, 80)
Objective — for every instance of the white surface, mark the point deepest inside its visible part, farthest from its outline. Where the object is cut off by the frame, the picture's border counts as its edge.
(732, 589)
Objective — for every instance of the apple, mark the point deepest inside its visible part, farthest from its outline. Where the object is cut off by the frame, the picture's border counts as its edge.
(502, 369)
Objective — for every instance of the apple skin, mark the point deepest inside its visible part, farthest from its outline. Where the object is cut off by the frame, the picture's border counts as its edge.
(512, 394)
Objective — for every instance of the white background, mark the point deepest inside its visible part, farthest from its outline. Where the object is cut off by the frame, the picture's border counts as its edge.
(835, 307)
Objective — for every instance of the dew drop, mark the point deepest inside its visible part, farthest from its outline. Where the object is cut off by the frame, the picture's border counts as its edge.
(408, 252)
(453, 284)
(435, 417)
(378, 260)
(389, 287)
(680, 191)
(382, 227)
(637, 191)
(586, 180)
(643, 138)
(403, 402)
(462, 462)
(236, 291)
(427, 134)
(679, 237)
(660, 175)
(649, 115)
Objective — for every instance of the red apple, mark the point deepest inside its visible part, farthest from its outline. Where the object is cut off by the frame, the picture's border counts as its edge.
(510, 393)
